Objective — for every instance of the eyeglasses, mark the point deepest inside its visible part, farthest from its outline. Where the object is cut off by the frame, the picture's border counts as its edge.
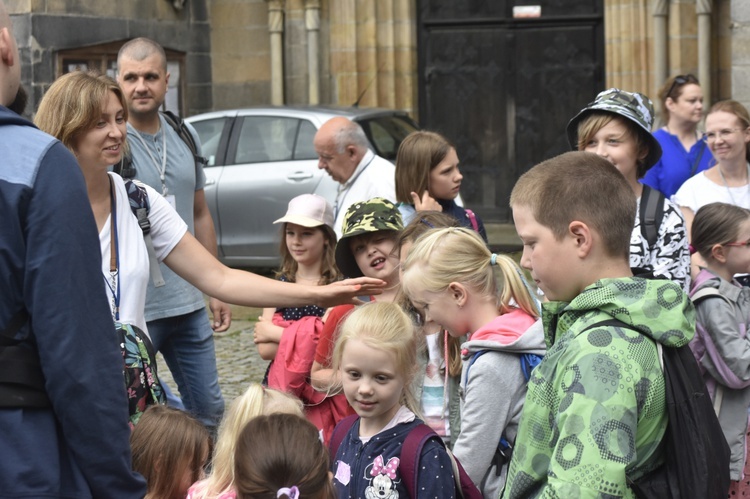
(681, 80)
(721, 134)
(740, 244)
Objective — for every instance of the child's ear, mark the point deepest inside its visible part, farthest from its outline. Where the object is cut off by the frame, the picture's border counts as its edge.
(582, 236)
(717, 253)
(458, 293)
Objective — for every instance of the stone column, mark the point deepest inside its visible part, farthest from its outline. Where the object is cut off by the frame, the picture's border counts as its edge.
(312, 26)
(661, 67)
(703, 9)
(276, 31)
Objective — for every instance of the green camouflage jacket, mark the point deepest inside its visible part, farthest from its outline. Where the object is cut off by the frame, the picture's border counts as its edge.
(595, 409)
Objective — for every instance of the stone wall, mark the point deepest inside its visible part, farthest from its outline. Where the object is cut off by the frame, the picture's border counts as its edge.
(738, 32)
(45, 27)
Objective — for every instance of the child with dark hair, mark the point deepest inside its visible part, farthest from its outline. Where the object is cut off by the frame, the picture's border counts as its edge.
(721, 234)
(281, 456)
(170, 449)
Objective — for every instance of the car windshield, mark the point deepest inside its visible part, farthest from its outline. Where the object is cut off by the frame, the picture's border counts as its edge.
(386, 133)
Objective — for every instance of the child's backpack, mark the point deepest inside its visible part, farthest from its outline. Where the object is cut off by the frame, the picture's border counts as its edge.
(696, 454)
(411, 450)
(504, 448)
(650, 214)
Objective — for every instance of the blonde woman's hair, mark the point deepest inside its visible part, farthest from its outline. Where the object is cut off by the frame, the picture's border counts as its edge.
(73, 105)
(383, 326)
(739, 111)
(163, 443)
(256, 401)
(329, 272)
(458, 254)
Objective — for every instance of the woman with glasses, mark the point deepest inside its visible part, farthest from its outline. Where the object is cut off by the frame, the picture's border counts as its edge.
(683, 152)
(728, 181)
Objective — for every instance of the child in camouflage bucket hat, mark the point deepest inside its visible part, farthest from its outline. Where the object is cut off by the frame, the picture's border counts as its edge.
(366, 223)
(617, 127)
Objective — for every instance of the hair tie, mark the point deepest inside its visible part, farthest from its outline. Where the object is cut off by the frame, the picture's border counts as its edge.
(692, 249)
(493, 259)
(292, 492)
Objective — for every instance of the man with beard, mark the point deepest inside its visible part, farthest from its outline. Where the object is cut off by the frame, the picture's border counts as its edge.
(63, 408)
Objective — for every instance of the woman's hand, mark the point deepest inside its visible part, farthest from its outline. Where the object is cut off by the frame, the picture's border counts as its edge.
(347, 291)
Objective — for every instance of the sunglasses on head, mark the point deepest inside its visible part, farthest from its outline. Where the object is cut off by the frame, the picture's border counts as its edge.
(681, 80)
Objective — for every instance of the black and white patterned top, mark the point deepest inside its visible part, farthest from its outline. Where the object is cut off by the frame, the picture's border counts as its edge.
(670, 257)
(296, 313)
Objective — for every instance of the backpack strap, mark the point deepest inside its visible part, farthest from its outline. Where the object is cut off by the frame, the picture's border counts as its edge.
(141, 206)
(651, 214)
(411, 451)
(127, 170)
(472, 219)
(179, 126)
(339, 432)
(703, 293)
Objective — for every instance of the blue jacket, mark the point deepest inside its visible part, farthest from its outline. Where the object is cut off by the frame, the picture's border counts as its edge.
(50, 264)
(371, 470)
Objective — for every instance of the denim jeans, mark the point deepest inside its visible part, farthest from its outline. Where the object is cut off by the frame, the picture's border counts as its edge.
(187, 344)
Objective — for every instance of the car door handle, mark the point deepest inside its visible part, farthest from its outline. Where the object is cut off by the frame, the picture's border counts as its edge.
(299, 176)
(210, 181)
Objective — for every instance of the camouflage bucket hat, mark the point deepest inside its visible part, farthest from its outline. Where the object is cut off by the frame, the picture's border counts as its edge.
(373, 215)
(632, 106)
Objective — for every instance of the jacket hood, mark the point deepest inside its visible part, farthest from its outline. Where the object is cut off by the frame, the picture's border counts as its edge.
(8, 117)
(515, 332)
(656, 308)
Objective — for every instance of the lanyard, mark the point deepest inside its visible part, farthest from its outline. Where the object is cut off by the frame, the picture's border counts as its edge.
(163, 170)
(114, 252)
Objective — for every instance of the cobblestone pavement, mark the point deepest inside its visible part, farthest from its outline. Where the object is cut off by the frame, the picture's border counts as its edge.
(237, 359)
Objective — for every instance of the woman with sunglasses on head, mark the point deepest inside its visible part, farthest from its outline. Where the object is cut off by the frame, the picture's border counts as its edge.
(683, 152)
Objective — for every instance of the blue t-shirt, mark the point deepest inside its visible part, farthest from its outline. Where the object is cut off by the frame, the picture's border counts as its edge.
(182, 179)
(676, 164)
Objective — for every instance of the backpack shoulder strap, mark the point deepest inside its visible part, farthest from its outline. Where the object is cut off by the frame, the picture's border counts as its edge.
(651, 214)
(339, 432)
(471, 363)
(140, 205)
(411, 451)
(704, 293)
(179, 126)
(472, 219)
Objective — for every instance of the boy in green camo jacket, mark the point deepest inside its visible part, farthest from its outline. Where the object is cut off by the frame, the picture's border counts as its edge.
(595, 410)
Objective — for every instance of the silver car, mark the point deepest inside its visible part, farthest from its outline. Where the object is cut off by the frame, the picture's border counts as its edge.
(260, 158)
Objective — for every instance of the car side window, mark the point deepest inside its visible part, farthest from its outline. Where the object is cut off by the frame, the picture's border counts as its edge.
(209, 133)
(386, 134)
(266, 138)
(304, 148)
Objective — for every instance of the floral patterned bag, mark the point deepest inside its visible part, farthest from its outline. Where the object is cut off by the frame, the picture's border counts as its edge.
(139, 369)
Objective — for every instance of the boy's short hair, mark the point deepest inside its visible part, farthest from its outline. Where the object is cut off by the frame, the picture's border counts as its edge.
(366, 217)
(580, 186)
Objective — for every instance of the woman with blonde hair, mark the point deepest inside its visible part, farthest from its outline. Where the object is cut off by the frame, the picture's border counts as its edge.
(87, 112)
